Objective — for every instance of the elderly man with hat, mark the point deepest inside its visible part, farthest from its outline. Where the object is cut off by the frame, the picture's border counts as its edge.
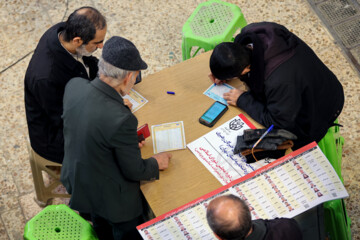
(103, 167)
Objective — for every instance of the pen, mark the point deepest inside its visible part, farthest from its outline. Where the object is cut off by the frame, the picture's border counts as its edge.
(169, 92)
(262, 136)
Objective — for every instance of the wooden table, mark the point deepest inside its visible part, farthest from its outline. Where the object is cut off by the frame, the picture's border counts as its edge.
(186, 178)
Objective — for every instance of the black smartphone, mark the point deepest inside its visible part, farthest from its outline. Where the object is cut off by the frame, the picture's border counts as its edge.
(138, 78)
(213, 114)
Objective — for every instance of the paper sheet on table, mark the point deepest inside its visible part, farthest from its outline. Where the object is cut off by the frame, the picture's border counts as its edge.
(215, 151)
(168, 136)
(286, 188)
(217, 92)
(136, 99)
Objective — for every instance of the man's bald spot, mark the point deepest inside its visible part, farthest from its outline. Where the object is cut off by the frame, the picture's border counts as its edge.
(226, 211)
(93, 15)
(84, 11)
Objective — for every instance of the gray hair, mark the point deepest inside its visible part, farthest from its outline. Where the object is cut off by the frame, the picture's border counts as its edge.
(109, 70)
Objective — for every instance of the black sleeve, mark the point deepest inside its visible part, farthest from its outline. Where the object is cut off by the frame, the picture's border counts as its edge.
(281, 105)
(50, 97)
(128, 155)
(283, 228)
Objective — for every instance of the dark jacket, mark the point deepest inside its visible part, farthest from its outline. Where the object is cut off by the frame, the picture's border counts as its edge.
(102, 167)
(300, 93)
(276, 229)
(50, 68)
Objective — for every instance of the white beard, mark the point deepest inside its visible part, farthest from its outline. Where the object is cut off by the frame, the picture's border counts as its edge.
(81, 51)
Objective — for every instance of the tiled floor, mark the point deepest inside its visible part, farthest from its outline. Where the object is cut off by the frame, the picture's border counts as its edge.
(342, 18)
(155, 27)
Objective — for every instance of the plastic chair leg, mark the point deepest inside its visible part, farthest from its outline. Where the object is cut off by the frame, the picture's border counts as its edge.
(186, 51)
(44, 194)
(39, 185)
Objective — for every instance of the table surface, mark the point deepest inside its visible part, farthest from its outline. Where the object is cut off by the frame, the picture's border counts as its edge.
(186, 178)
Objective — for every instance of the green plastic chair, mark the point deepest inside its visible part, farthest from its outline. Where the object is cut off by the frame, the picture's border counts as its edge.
(211, 23)
(337, 221)
(331, 145)
(58, 222)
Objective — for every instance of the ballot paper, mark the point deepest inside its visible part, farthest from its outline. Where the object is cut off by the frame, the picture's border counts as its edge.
(215, 151)
(216, 92)
(136, 99)
(286, 187)
(168, 136)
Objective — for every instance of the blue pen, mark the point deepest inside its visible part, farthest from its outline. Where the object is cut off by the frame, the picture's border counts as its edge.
(262, 136)
(169, 92)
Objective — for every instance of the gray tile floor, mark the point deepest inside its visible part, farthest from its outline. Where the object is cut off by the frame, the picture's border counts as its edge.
(342, 19)
(155, 27)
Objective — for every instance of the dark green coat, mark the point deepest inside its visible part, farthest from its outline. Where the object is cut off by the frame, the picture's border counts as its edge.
(102, 167)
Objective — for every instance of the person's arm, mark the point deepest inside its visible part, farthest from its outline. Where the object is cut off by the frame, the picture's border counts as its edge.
(283, 102)
(128, 155)
(50, 97)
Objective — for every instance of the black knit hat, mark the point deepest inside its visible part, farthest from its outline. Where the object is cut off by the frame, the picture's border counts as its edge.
(123, 54)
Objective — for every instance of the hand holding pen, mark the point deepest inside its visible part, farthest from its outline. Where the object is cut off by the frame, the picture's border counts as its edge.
(215, 80)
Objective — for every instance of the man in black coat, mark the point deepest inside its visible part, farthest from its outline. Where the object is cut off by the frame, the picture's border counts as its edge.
(63, 52)
(289, 86)
(103, 167)
(229, 218)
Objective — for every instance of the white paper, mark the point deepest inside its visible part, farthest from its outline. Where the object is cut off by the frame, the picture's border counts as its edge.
(217, 92)
(136, 99)
(168, 137)
(215, 151)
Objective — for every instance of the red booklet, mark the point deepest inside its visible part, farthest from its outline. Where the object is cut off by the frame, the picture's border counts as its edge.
(143, 132)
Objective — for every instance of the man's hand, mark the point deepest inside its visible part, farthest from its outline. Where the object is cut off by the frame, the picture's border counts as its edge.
(215, 80)
(232, 96)
(141, 144)
(127, 103)
(163, 160)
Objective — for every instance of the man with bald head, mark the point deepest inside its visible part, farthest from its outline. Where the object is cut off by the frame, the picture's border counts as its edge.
(230, 219)
(63, 52)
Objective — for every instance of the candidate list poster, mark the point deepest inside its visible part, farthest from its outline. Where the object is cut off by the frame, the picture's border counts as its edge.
(284, 188)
